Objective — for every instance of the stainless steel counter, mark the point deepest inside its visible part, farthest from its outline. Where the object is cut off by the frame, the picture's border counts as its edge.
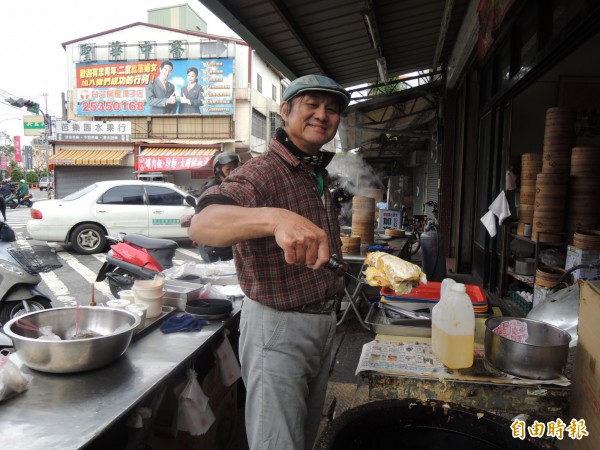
(68, 411)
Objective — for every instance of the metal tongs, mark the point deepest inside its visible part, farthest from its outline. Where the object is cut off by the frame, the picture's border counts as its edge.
(405, 312)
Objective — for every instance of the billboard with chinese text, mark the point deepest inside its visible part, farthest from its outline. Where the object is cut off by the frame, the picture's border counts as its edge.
(191, 86)
(169, 163)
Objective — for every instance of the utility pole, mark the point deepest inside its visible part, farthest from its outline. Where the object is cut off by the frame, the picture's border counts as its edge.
(48, 133)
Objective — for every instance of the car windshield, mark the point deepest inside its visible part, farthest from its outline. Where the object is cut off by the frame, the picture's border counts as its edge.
(80, 193)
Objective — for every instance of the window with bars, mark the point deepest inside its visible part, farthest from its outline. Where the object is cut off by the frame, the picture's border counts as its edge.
(259, 125)
(275, 122)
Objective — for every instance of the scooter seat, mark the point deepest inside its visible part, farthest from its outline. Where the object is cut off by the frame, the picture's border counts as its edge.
(150, 243)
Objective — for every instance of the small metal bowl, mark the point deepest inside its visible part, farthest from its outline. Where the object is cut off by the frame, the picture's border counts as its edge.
(115, 327)
(543, 356)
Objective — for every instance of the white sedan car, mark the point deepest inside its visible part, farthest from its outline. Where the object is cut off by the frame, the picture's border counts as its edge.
(84, 218)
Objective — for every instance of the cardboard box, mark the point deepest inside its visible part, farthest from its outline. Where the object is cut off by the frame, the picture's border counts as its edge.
(388, 219)
(577, 256)
(585, 393)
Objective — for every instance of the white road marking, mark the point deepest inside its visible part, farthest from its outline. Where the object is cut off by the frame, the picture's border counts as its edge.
(87, 274)
(59, 290)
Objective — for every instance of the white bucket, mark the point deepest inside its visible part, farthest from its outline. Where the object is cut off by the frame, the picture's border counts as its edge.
(152, 298)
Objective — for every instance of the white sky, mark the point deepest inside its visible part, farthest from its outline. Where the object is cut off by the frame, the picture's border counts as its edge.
(33, 59)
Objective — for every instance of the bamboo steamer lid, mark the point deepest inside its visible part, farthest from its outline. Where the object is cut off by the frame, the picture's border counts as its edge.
(558, 112)
(531, 158)
(394, 232)
(585, 161)
(350, 244)
(547, 276)
(526, 213)
(577, 222)
(587, 239)
(584, 185)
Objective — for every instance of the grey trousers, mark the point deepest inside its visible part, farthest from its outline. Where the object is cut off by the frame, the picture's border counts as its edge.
(285, 359)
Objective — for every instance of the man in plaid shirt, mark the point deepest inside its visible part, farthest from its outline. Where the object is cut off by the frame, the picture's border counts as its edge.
(278, 214)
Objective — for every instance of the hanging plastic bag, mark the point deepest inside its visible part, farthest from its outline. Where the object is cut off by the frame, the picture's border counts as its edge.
(12, 380)
(195, 415)
(228, 363)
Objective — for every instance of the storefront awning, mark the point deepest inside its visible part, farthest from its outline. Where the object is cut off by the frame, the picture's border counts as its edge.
(88, 158)
(157, 159)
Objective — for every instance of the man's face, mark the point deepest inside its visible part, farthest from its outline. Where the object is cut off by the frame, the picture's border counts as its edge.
(165, 72)
(312, 121)
(228, 168)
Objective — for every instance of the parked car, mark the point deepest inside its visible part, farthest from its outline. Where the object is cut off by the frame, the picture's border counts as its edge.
(84, 218)
(45, 183)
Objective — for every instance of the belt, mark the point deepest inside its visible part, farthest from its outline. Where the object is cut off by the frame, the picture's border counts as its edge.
(325, 306)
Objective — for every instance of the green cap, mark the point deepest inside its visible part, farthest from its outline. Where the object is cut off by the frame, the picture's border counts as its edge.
(317, 83)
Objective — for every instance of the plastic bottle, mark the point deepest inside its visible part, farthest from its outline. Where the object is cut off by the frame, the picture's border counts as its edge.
(453, 328)
(439, 310)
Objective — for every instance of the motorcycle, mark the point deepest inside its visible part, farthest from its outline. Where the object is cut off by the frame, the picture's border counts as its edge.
(13, 201)
(135, 257)
(19, 271)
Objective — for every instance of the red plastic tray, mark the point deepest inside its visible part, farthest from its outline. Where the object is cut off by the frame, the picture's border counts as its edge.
(430, 292)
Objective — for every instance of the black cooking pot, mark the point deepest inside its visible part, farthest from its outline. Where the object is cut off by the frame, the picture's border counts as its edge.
(422, 425)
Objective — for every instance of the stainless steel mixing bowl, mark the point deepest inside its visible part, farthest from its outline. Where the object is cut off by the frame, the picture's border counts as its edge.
(114, 327)
(543, 356)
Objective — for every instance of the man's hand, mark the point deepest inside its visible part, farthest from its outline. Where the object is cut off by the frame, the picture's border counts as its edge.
(301, 240)
(172, 99)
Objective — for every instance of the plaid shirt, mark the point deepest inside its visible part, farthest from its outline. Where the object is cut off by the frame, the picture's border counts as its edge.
(278, 179)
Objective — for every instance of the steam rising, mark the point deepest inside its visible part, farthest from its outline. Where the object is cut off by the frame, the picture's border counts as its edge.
(356, 177)
(360, 175)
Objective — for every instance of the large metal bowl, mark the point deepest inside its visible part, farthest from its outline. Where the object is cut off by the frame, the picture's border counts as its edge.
(543, 356)
(115, 327)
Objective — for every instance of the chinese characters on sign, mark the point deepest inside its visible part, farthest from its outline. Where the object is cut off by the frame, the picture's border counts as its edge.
(33, 125)
(201, 86)
(93, 131)
(556, 429)
(159, 163)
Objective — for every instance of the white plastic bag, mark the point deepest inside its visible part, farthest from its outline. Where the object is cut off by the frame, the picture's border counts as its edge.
(228, 364)
(195, 415)
(12, 380)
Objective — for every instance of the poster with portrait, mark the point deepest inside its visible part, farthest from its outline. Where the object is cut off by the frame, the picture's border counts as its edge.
(185, 87)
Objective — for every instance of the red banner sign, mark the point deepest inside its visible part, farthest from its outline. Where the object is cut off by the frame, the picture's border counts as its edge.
(17, 142)
(160, 163)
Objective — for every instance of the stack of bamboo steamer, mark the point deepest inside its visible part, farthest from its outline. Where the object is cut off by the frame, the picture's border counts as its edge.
(584, 186)
(551, 184)
(363, 218)
(531, 165)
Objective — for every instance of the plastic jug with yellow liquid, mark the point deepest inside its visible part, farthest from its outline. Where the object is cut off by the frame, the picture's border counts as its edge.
(453, 328)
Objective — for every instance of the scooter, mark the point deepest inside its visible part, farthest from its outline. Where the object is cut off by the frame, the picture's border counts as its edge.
(135, 257)
(13, 201)
(19, 271)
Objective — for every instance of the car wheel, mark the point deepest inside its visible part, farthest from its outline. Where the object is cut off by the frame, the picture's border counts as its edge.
(10, 310)
(88, 238)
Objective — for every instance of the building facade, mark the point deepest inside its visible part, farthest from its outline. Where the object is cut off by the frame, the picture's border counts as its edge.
(123, 122)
